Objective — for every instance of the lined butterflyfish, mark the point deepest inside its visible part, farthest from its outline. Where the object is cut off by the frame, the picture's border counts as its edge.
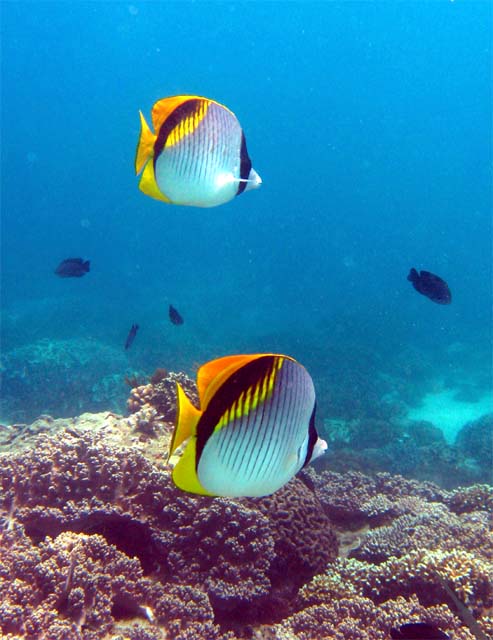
(197, 155)
(254, 431)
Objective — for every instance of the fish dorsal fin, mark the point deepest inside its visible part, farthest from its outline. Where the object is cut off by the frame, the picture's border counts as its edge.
(145, 145)
(165, 107)
(212, 375)
(148, 183)
(187, 417)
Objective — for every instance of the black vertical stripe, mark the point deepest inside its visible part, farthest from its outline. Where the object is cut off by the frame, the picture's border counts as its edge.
(226, 395)
(245, 165)
(182, 111)
(312, 436)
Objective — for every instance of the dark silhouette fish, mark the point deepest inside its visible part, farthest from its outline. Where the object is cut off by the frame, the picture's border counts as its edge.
(174, 316)
(431, 286)
(131, 335)
(72, 268)
(418, 631)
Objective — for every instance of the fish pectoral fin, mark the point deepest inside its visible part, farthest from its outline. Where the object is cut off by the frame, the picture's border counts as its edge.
(184, 474)
(148, 184)
(187, 417)
(144, 146)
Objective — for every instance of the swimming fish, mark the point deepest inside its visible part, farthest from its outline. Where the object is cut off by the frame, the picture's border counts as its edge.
(197, 155)
(72, 268)
(174, 316)
(418, 631)
(431, 286)
(131, 336)
(254, 431)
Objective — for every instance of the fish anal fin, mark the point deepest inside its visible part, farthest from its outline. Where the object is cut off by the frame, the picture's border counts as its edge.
(148, 184)
(187, 417)
(184, 474)
(145, 145)
(211, 375)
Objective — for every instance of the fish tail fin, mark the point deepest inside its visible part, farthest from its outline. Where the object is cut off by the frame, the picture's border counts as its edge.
(87, 265)
(144, 146)
(413, 275)
(187, 417)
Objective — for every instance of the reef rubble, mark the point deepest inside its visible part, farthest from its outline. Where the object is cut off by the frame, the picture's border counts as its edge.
(97, 543)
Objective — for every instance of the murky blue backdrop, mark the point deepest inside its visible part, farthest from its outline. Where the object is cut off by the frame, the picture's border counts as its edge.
(370, 124)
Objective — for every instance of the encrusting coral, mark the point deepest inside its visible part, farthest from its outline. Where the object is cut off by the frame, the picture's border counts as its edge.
(97, 542)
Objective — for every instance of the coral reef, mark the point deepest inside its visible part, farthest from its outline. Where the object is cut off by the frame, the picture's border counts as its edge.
(62, 376)
(89, 482)
(96, 542)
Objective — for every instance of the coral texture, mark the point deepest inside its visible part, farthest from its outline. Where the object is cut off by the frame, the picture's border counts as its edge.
(97, 542)
(81, 481)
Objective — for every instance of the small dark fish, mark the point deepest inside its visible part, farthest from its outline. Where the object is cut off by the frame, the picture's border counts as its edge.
(418, 631)
(131, 335)
(431, 286)
(174, 316)
(72, 268)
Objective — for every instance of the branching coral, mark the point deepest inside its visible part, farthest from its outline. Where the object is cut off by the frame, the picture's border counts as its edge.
(97, 541)
(239, 552)
(80, 587)
(161, 395)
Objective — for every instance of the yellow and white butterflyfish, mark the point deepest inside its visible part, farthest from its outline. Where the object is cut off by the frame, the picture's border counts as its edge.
(197, 155)
(254, 431)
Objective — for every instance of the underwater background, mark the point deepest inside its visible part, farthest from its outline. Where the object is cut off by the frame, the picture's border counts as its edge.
(370, 124)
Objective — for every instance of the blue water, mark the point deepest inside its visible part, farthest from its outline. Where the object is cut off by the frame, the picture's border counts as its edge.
(370, 124)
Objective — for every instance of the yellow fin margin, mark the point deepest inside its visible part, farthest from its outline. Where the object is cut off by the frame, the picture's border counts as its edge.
(184, 474)
(187, 417)
(148, 184)
(145, 145)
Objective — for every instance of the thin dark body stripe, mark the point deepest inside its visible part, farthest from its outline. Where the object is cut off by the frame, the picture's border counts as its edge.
(261, 430)
(271, 427)
(283, 414)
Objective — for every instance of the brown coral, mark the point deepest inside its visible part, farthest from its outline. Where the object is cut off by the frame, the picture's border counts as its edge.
(236, 551)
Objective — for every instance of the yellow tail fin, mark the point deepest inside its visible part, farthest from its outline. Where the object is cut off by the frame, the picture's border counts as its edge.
(144, 146)
(187, 417)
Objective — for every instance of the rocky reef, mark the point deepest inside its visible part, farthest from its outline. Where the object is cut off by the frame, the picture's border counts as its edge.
(96, 542)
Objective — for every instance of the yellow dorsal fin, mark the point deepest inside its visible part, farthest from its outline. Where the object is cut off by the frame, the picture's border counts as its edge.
(148, 184)
(163, 108)
(212, 375)
(187, 417)
(144, 146)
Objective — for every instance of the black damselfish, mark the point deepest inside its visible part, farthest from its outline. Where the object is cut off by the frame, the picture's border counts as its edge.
(174, 316)
(431, 286)
(131, 335)
(72, 268)
(418, 631)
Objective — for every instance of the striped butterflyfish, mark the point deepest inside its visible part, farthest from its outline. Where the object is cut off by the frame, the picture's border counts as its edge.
(254, 431)
(197, 155)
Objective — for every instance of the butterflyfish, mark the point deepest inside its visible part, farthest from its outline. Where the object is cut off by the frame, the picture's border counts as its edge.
(197, 155)
(254, 431)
